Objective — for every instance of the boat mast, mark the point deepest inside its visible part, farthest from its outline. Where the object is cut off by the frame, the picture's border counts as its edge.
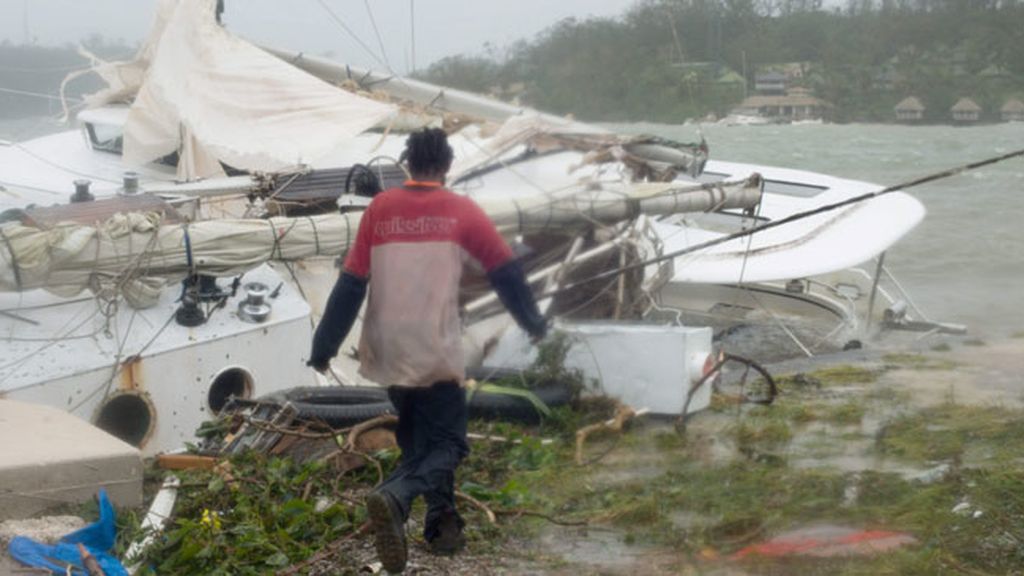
(412, 32)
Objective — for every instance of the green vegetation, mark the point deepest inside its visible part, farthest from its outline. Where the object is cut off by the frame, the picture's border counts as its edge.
(255, 517)
(654, 489)
(949, 431)
(842, 375)
(918, 361)
(669, 60)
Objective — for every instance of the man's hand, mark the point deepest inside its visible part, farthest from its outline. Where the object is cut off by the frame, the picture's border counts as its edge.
(318, 364)
(540, 332)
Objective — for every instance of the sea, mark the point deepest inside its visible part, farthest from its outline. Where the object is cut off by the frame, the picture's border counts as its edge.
(963, 264)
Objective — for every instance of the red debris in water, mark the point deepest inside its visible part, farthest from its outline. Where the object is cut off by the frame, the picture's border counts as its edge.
(828, 541)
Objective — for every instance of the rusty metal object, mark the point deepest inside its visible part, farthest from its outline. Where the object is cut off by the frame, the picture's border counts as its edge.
(92, 567)
(89, 213)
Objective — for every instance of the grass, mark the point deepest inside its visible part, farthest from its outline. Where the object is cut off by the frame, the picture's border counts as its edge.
(918, 362)
(843, 375)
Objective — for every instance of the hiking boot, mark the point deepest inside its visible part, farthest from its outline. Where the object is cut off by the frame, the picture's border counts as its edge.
(450, 539)
(389, 531)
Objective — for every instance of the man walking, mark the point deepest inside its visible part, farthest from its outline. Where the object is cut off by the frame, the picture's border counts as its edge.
(410, 249)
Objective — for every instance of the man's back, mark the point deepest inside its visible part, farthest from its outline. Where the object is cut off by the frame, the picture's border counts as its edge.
(412, 244)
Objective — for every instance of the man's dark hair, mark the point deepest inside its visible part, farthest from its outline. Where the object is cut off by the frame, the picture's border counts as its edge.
(427, 151)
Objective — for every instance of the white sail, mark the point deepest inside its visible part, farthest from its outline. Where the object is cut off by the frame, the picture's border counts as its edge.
(213, 97)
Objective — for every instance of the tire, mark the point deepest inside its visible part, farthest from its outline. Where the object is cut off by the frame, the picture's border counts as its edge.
(342, 406)
(343, 415)
(336, 406)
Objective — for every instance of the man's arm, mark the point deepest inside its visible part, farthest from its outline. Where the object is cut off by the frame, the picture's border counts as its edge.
(345, 300)
(481, 239)
(510, 283)
(342, 308)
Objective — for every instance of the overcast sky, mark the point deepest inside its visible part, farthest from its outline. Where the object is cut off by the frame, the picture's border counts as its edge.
(443, 27)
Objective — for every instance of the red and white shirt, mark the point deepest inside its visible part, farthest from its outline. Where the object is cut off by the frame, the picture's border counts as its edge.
(412, 244)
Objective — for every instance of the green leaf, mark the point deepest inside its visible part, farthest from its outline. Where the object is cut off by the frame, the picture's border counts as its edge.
(216, 485)
(278, 560)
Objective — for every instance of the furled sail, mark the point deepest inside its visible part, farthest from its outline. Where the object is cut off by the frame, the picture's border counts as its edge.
(138, 254)
(212, 97)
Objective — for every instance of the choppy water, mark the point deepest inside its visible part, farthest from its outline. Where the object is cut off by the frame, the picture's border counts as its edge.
(964, 263)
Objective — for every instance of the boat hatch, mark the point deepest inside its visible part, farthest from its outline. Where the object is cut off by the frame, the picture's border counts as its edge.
(104, 126)
(792, 189)
(105, 138)
(708, 177)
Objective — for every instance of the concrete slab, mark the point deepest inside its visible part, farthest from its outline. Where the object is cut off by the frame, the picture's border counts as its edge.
(49, 457)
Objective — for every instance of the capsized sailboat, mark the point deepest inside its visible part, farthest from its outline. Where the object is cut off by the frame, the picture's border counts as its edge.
(240, 146)
(144, 303)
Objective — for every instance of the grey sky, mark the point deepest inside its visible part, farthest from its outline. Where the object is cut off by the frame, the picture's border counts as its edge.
(443, 27)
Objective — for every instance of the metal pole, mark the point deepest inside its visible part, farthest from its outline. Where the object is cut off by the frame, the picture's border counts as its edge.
(412, 29)
(874, 292)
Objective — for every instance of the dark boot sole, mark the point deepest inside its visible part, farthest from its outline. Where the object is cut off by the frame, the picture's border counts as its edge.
(389, 533)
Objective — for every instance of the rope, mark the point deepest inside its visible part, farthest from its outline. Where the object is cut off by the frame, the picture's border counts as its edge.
(277, 242)
(348, 232)
(316, 234)
(519, 217)
(14, 260)
(341, 23)
(34, 94)
(189, 261)
(791, 218)
(376, 31)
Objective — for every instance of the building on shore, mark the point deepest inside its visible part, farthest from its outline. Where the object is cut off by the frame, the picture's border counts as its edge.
(1012, 111)
(770, 83)
(965, 111)
(797, 104)
(910, 109)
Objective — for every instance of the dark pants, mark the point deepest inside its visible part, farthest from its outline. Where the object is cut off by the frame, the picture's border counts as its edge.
(432, 435)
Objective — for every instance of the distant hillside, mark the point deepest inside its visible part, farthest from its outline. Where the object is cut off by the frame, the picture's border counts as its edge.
(668, 60)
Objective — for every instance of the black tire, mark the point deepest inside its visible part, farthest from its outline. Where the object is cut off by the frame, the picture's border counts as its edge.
(336, 406)
(342, 415)
(335, 394)
(341, 406)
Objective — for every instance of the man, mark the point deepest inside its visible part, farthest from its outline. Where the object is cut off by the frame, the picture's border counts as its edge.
(410, 248)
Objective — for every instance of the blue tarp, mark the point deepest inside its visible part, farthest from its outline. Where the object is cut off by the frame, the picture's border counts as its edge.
(97, 537)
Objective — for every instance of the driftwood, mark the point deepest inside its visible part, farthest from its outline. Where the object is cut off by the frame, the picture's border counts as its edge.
(491, 517)
(352, 442)
(185, 462)
(623, 414)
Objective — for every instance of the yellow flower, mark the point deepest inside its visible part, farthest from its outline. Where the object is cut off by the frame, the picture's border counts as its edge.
(211, 519)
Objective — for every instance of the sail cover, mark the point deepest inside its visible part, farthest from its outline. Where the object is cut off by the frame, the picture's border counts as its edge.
(213, 97)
